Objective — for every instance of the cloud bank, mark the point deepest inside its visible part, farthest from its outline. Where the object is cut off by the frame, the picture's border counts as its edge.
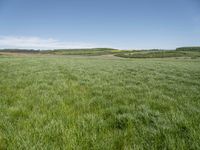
(22, 42)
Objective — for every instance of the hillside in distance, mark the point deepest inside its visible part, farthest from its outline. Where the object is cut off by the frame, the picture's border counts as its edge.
(191, 52)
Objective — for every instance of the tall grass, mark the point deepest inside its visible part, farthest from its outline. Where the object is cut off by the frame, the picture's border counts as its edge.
(78, 103)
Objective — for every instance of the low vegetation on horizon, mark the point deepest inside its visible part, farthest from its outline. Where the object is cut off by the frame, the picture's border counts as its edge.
(192, 52)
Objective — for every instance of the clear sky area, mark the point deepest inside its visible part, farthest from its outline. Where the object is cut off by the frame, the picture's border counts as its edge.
(124, 24)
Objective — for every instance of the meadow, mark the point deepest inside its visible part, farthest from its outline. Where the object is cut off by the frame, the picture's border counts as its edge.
(99, 103)
(192, 52)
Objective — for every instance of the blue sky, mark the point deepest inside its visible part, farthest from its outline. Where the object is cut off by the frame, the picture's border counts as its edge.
(126, 24)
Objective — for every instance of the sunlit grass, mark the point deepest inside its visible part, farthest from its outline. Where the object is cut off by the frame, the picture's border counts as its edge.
(81, 103)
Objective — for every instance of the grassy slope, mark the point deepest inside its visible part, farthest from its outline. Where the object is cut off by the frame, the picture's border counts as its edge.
(192, 52)
(159, 54)
(86, 52)
(52, 103)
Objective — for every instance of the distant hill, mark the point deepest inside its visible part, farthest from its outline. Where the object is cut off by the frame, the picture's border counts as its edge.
(92, 51)
(197, 48)
(20, 50)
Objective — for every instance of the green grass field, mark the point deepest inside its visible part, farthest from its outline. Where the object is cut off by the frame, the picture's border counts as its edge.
(160, 54)
(97, 103)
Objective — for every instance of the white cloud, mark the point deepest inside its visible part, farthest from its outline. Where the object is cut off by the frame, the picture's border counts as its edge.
(40, 43)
